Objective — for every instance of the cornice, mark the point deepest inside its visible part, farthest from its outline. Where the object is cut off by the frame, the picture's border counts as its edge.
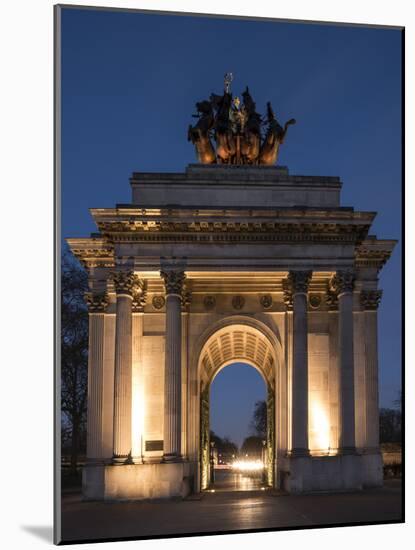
(93, 252)
(374, 253)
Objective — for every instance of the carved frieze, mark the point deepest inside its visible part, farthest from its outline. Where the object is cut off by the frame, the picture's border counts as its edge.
(209, 302)
(96, 302)
(266, 301)
(238, 302)
(158, 302)
(314, 301)
(370, 299)
(235, 231)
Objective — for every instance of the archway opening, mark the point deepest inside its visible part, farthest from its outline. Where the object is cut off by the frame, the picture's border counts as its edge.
(237, 342)
(238, 429)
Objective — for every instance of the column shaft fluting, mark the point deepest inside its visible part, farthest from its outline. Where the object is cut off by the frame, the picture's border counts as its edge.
(334, 377)
(370, 300)
(123, 368)
(299, 281)
(343, 284)
(97, 304)
(95, 386)
(173, 378)
(123, 379)
(300, 375)
(173, 280)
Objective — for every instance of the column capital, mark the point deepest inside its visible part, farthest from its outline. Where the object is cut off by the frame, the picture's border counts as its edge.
(125, 282)
(342, 281)
(370, 299)
(173, 280)
(186, 299)
(332, 299)
(96, 302)
(139, 295)
(298, 281)
(287, 295)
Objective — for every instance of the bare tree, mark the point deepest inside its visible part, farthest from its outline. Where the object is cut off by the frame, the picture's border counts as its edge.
(74, 355)
(390, 426)
(259, 419)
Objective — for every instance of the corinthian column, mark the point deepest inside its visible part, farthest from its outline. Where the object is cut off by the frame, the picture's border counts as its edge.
(342, 283)
(173, 280)
(137, 404)
(124, 283)
(97, 304)
(370, 300)
(298, 282)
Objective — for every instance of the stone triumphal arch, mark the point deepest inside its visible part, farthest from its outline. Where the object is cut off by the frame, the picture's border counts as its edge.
(234, 259)
(224, 263)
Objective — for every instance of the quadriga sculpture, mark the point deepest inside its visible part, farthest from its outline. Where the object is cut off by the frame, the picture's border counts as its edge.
(199, 134)
(273, 138)
(236, 130)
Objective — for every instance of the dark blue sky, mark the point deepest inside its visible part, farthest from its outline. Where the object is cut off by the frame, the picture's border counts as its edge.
(237, 387)
(130, 82)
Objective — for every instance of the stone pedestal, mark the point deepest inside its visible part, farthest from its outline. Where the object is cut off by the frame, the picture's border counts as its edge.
(137, 481)
(322, 474)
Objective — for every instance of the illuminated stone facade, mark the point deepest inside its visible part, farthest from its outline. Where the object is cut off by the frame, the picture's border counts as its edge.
(226, 263)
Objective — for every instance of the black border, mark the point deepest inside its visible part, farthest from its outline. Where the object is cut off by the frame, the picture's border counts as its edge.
(57, 259)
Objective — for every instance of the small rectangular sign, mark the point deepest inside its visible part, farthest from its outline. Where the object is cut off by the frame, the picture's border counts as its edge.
(154, 445)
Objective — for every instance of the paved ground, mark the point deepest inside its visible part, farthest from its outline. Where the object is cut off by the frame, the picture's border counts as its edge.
(226, 511)
(227, 480)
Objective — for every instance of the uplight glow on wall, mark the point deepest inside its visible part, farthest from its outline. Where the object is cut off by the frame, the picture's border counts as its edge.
(137, 420)
(319, 428)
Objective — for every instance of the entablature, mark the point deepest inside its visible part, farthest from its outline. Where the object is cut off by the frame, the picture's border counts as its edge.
(233, 225)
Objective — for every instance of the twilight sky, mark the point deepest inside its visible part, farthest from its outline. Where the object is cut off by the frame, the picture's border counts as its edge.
(129, 85)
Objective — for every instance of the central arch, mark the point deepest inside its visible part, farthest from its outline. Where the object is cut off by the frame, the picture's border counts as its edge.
(237, 339)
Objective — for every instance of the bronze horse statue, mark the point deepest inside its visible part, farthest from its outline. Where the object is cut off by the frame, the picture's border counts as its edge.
(251, 136)
(230, 133)
(273, 139)
(199, 134)
(225, 142)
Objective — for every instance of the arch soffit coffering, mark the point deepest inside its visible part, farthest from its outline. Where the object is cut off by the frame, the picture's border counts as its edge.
(238, 338)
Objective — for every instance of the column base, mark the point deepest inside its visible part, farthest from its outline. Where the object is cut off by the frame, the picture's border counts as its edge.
(172, 458)
(299, 453)
(347, 451)
(121, 460)
(372, 468)
(136, 481)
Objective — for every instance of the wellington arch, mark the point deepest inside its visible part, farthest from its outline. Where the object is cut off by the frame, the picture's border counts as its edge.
(231, 260)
